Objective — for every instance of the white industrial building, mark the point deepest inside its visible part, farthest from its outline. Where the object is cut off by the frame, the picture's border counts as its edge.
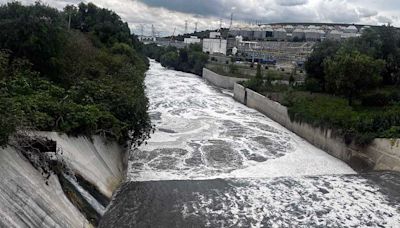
(280, 34)
(313, 34)
(350, 35)
(351, 29)
(334, 35)
(289, 28)
(259, 33)
(192, 40)
(298, 34)
(213, 46)
(247, 32)
(215, 35)
(269, 32)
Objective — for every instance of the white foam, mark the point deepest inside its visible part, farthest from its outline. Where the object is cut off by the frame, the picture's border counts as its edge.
(334, 201)
(200, 113)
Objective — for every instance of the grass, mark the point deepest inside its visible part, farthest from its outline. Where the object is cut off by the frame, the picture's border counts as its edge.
(244, 71)
(356, 123)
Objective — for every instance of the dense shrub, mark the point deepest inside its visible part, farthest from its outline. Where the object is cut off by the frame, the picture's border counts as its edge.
(358, 124)
(189, 59)
(83, 81)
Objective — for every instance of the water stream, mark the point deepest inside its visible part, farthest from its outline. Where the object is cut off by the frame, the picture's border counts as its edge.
(213, 162)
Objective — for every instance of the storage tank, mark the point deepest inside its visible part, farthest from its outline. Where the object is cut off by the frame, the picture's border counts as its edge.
(259, 33)
(289, 28)
(298, 34)
(280, 34)
(334, 35)
(247, 32)
(351, 29)
(269, 31)
(313, 34)
(234, 31)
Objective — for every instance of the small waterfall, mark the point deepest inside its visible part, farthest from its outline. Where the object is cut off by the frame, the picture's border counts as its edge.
(86, 195)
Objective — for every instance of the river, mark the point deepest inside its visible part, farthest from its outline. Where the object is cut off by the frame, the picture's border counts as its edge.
(213, 162)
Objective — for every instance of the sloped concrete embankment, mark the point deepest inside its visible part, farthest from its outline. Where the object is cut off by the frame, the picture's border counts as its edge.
(28, 199)
(224, 82)
(381, 154)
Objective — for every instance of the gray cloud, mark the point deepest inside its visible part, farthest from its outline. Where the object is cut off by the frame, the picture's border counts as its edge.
(209, 7)
(363, 12)
(166, 15)
(291, 2)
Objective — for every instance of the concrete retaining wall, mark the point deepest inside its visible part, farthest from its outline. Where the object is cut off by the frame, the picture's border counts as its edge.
(381, 154)
(219, 80)
(28, 201)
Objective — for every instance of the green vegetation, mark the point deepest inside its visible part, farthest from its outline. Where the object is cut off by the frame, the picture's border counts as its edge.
(190, 59)
(351, 87)
(245, 71)
(351, 73)
(82, 80)
(360, 123)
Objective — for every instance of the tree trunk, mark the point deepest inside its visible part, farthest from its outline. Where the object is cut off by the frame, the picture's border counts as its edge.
(350, 99)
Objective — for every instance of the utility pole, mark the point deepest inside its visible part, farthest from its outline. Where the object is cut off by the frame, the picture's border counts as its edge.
(142, 30)
(230, 25)
(195, 26)
(153, 32)
(172, 37)
(69, 20)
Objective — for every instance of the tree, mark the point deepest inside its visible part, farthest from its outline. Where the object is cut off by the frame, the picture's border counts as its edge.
(170, 59)
(351, 73)
(315, 63)
(256, 83)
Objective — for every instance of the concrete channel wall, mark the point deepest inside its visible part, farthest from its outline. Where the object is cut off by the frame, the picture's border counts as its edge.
(224, 82)
(27, 199)
(381, 154)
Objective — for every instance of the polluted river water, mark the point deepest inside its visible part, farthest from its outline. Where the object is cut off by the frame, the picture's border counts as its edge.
(213, 162)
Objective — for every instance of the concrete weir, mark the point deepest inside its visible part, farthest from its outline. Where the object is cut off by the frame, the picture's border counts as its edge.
(28, 199)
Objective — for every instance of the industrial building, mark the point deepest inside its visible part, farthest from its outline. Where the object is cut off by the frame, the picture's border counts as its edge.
(213, 46)
(192, 40)
(296, 32)
(334, 35)
(280, 34)
(274, 50)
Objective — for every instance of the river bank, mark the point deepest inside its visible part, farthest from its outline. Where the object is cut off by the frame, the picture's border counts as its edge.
(381, 154)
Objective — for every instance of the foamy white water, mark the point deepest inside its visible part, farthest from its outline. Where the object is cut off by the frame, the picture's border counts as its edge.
(203, 133)
(269, 177)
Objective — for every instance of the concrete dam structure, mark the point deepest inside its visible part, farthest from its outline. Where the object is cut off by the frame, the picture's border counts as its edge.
(213, 162)
(28, 199)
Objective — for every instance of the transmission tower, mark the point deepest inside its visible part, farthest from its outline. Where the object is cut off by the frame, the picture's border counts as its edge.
(142, 30)
(186, 27)
(153, 31)
(230, 25)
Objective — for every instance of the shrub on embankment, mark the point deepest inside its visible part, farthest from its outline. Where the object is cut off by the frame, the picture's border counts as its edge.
(190, 59)
(351, 87)
(84, 80)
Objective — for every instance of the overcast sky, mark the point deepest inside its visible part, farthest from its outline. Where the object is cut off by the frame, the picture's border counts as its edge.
(169, 14)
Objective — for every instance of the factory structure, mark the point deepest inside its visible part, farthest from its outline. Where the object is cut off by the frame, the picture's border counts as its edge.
(271, 43)
(267, 43)
(296, 33)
